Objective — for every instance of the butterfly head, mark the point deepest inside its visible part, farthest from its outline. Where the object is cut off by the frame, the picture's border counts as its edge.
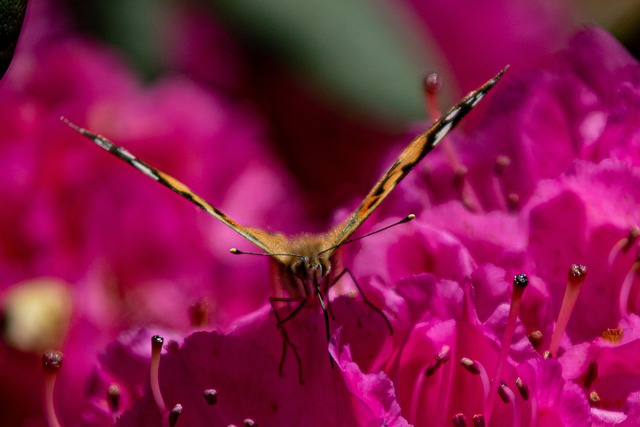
(313, 267)
(310, 263)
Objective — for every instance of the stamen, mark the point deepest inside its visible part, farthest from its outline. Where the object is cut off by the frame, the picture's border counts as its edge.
(113, 398)
(440, 358)
(507, 396)
(444, 355)
(174, 414)
(210, 396)
(520, 282)
(502, 162)
(577, 275)
(624, 244)
(249, 423)
(523, 388)
(431, 86)
(459, 420)
(51, 364)
(432, 369)
(444, 383)
(513, 200)
(591, 375)
(476, 368)
(156, 349)
(535, 338)
(613, 335)
(470, 365)
(468, 196)
(478, 421)
(594, 399)
(627, 284)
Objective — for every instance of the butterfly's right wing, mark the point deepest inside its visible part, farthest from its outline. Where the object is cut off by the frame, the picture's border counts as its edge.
(405, 162)
(258, 237)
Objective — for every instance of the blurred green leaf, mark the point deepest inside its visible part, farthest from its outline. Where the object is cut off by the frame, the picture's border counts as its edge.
(359, 54)
(350, 49)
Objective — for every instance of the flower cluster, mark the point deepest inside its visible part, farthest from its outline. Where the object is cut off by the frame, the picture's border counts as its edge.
(512, 299)
(546, 185)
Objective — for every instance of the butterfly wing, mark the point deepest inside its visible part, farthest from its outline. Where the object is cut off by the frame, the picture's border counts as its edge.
(260, 238)
(411, 156)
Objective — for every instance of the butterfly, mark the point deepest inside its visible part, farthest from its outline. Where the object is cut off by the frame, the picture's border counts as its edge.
(305, 262)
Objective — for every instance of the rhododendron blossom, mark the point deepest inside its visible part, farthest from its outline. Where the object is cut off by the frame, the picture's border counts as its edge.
(444, 283)
(512, 300)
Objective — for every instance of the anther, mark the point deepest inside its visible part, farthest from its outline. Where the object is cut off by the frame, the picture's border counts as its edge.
(460, 175)
(577, 275)
(113, 398)
(156, 349)
(613, 335)
(432, 83)
(432, 369)
(535, 338)
(513, 200)
(444, 354)
(470, 365)
(594, 399)
(523, 388)
(174, 414)
(632, 237)
(440, 358)
(502, 162)
(478, 420)
(249, 423)
(459, 420)
(210, 396)
(503, 393)
(199, 313)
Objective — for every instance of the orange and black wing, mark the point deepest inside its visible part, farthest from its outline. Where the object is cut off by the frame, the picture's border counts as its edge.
(257, 237)
(411, 156)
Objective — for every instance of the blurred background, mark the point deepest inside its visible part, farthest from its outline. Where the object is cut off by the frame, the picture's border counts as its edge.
(340, 77)
(280, 112)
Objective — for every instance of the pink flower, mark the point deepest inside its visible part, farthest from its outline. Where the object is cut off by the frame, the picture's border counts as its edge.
(491, 34)
(242, 367)
(547, 179)
(149, 264)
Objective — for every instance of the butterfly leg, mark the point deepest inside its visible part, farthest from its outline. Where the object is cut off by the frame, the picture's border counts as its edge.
(286, 341)
(364, 297)
(325, 313)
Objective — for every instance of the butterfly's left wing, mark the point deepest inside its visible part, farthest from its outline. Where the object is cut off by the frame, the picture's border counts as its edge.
(417, 149)
(265, 240)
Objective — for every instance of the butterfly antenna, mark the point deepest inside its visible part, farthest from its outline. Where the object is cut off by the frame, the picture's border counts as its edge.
(406, 219)
(239, 252)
